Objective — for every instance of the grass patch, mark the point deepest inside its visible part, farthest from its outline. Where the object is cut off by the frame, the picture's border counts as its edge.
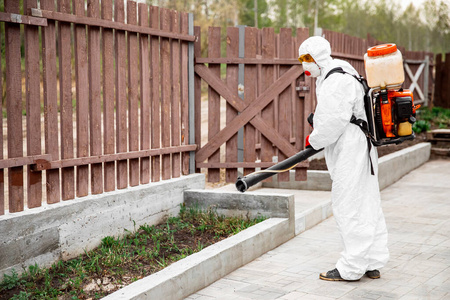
(118, 262)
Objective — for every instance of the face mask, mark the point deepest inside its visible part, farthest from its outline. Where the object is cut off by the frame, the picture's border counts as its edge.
(311, 69)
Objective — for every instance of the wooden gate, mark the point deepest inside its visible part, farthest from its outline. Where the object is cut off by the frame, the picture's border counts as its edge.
(266, 94)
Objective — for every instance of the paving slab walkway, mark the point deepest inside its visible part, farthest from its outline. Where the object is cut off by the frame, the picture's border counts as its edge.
(417, 210)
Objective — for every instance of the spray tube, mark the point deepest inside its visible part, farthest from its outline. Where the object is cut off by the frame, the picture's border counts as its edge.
(244, 183)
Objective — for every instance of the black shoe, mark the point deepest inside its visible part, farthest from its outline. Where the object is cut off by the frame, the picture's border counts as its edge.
(375, 274)
(333, 275)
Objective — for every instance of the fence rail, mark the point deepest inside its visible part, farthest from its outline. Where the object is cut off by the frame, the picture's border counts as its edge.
(112, 101)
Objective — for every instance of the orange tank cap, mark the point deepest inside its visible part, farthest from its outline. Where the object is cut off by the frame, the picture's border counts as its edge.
(381, 50)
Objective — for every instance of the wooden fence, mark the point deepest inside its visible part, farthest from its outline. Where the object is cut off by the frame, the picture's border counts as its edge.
(112, 101)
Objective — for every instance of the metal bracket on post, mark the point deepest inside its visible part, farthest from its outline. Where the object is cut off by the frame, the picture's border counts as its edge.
(191, 77)
(425, 79)
(241, 89)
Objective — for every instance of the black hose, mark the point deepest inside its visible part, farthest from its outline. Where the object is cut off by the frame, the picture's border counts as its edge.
(244, 183)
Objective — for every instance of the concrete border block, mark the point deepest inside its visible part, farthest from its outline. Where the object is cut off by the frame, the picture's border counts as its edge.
(394, 166)
(313, 216)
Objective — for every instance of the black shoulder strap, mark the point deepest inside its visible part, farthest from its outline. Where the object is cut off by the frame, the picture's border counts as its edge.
(336, 70)
(360, 79)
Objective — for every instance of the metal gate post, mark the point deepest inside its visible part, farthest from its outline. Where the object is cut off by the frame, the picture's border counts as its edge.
(425, 79)
(191, 76)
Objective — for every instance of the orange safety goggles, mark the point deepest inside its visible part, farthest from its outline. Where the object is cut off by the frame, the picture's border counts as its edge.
(306, 58)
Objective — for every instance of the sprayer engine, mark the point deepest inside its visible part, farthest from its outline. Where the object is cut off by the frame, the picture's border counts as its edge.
(393, 115)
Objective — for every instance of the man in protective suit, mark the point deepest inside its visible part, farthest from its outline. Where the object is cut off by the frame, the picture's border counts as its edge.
(355, 191)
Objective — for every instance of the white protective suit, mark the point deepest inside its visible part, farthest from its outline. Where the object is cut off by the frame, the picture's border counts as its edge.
(355, 192)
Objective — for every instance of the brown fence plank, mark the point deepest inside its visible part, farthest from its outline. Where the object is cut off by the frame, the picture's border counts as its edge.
(165, 92)
(95, 108)
(50, 103)
(284, 101)
(231, 113)
(108, 96)
(198, 90)
(33, 100)
(303, 107)
(250, 93)
(82, 98)
(66, 114)
(133, 95)
(14, 108)
(155, 111)
(144, 55)
(184, 95)
(2, 177)
(175, 105)
(121, 96)
(267, 73)
(214, 101)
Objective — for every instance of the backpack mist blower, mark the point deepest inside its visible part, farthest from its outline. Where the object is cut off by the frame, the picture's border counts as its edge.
(390, 110)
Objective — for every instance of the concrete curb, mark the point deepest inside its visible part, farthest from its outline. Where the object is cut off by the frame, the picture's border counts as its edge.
(201, 269)
(313, 216)
(391, 168)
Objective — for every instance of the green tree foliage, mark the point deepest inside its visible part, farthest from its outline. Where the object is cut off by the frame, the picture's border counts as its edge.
(418, 28)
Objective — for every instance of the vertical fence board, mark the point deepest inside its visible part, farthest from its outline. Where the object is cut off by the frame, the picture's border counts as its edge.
(65, 101)
(108, 96)
(155, 101)
(133, 94)
(232, 83)
(50, 102)
(2, 175)
(184, 95)
(267, 73)
(175, 106)
(284, 101)
(250, 93)
(198, 90)
(304, 106)
(121, 95)
(82, 98)
(144, 56)
(95, 108)
(165, 92)
(14, 107)
(33, 100)
(214, 101)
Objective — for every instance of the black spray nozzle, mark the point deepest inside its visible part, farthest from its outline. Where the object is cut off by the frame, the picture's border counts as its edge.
(244, 183)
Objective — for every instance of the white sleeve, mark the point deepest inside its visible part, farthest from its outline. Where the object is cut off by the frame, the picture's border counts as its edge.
(334, 109)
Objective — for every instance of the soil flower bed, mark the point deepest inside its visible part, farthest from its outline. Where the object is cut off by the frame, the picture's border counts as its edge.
(118, 262)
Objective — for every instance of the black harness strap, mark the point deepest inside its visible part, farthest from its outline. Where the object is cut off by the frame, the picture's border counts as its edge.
(358, 122)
